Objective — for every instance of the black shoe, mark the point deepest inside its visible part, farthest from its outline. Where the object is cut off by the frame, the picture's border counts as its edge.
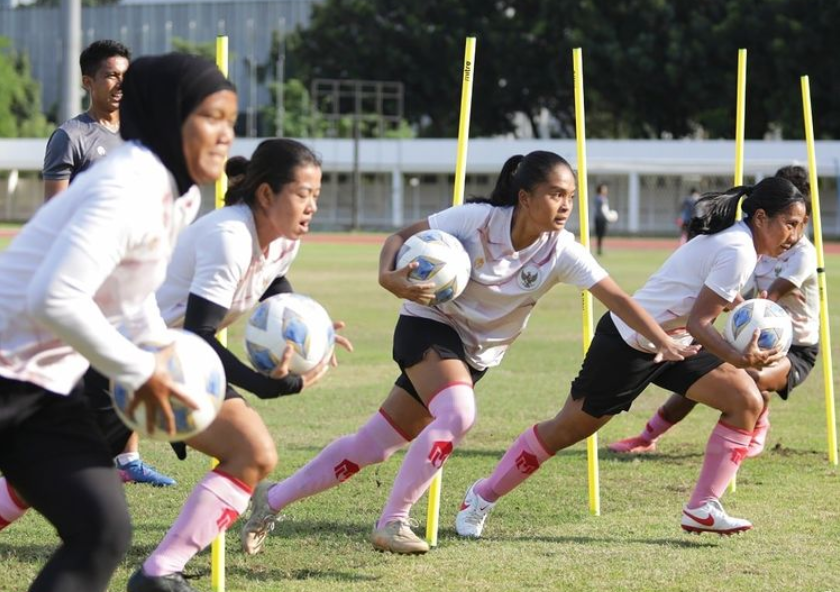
(140, 582)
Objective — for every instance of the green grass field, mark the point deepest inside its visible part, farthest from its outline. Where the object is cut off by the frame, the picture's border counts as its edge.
(541, 536)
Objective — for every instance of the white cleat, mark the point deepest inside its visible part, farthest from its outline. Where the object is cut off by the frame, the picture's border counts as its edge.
(473, 514)
(711, 517)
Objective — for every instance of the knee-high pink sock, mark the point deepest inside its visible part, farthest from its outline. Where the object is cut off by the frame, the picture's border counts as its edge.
(375, 442)
(12, 506)
(726, 449)
(655, 427)
(214, 504)
(520, 461)
(453, 409)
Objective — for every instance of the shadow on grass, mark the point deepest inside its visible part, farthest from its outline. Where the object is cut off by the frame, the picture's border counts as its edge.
(668, 458)
(660, 542)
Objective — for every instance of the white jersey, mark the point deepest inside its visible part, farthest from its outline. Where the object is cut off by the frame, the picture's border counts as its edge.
(798, 265)
(86, 265)
(219, 259)
(505, 284)
(722, 262)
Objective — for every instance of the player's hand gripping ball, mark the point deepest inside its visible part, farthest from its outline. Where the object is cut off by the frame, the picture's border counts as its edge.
(441, 259)
(289, 320)
(765, 315)
(197, 372)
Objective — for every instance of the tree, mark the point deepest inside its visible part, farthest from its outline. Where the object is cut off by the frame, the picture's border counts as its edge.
(20, 102)
(653, 68)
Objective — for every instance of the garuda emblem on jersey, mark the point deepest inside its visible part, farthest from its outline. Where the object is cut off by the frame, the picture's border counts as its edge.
(529, 277)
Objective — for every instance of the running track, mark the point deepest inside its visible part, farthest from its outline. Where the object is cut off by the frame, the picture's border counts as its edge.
(369, 239)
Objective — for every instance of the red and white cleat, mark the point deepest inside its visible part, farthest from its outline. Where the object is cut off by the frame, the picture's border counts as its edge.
(711, 517)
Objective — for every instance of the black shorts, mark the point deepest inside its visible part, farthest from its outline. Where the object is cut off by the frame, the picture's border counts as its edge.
(35, 422)
(802, 360)
(613, 374)
(415, 336)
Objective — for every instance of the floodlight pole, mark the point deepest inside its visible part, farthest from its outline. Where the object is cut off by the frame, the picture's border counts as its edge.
(71, 98)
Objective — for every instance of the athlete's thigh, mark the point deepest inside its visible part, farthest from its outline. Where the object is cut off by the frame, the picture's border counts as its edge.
(406, 413)
(432, 374)
(775, 377)
(726, 388)
(237, 427)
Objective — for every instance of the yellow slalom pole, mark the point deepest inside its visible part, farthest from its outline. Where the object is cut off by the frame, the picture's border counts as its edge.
(586, 296)
(740, 116)
(825, 329)
(433, 512)
(217, 549)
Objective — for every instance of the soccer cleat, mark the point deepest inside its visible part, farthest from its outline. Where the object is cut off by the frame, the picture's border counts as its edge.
(473, 513)
(260, 523)
(397, 537)
(136, 471)
(711, 517)
(634, 445)
(140, 582)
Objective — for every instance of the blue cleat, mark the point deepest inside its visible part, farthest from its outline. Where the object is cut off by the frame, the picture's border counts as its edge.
(137, 471)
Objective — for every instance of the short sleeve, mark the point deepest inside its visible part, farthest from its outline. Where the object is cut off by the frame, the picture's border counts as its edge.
(222, 257)
(801, 265)
(58, 158)
(460, 221)
(577, 266)
(730, 271)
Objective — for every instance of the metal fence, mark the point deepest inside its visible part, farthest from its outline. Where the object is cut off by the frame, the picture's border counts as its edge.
(150, 29)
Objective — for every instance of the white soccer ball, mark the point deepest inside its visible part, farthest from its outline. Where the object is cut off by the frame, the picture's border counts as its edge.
(765, 315)
(198, 371)
(612, 216)
(441, 260)
(289, 320)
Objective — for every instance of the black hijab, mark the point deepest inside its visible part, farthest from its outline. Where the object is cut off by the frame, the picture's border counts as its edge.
(159, 93)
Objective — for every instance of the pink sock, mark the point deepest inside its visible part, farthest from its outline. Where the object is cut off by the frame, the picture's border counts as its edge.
(375, 442)
(759, 435)
(453, 409)
(214, 504)
(521, 461)
(656, 426)
(726, 449)
(11, 506)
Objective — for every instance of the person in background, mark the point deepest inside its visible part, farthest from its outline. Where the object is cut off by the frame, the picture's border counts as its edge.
(81, 141)
(604, 216)
(687, 213)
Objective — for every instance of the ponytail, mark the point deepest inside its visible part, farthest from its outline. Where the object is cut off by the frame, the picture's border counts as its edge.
(716, 211)
(521, 172)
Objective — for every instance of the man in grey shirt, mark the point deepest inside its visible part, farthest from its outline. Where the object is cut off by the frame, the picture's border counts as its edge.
(72, 148)
(79, 142)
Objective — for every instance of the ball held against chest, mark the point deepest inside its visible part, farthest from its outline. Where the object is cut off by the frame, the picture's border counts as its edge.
(441, 259)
